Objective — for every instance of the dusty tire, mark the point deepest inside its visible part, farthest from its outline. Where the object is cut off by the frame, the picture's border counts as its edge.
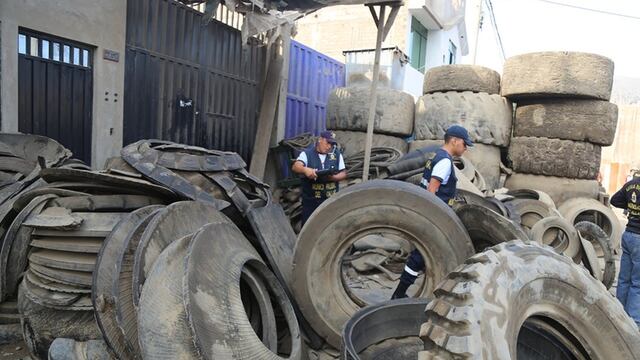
(553, 157)
(461, 78)
(487, 228)
(530, 211)
(348, 109)
(480, 309)
(353, 142)
(558, 188)
(591, 121)
(557, 74)
(382, 207)
(487, 117)
(546, 231)
(600, 241)
(581, 209)
(217, 257)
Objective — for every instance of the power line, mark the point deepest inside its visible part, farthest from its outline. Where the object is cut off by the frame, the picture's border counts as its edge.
(495, 27)
(590, 9)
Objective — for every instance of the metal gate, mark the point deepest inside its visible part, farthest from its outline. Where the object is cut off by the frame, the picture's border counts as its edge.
(187, 82)
(55, 87)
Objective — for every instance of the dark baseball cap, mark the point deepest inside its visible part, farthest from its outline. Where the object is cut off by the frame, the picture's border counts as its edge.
(460, 133)
(329, 136)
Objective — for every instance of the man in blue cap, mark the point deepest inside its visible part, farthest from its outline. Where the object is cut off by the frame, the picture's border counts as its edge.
(440, 179)
(322, 166)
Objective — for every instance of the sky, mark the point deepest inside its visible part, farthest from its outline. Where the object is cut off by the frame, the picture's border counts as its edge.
(537, 25)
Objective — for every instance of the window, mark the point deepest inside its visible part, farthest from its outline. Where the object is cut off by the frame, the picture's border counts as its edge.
(54, 49)
(418, 45)
(452, 53)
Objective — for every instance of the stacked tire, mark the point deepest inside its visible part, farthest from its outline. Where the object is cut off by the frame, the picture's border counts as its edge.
(466, 95)
(563, 117)
(348, 115)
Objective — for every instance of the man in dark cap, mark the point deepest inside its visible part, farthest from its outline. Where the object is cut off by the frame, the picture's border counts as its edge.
(440, 179)
(322, 166)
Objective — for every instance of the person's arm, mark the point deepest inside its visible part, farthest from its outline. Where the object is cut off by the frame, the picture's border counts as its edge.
(299, 167)
(619, 199)
(441, 171)
(434, 185)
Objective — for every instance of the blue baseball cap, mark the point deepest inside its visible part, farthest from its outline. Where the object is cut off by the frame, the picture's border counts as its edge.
(459, 132)
(329, 136)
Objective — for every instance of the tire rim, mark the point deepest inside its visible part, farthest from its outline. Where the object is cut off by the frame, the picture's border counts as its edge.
(424, 280)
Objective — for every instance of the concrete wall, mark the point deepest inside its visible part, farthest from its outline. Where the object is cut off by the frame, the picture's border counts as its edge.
(438, 47)
(99, 23)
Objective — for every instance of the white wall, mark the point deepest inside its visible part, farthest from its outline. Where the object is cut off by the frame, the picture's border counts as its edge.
(438, 47)
(99, 23)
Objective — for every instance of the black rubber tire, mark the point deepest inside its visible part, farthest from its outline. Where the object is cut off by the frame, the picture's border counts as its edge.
(557, 74)
(558, 188)
(352, 142)
(581, 209)
(570, 246)
(211, 279)
(600, 241)
(41, 325)
(553, 157)
(533, 194)
(348, 109)
(479, 311)
(461, 78)
(487, 117)
(377, 206)
(592, 121)
(487, 228)
(103, 295)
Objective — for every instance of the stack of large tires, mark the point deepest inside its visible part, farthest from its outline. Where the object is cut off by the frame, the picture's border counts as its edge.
(563, 117)
(348, 115)
(466, 95)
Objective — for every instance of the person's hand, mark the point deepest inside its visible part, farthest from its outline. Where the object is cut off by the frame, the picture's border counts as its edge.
(310, 173)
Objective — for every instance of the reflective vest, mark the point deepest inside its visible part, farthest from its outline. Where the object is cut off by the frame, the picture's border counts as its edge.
(320, 189)
(447, 191)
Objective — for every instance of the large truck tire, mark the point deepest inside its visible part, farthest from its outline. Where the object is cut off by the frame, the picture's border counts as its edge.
(352, 142)
(517, 299)
(557, 74)
(461, 78)
(553, 157)
(392, 209)
(486, 117)
(592, 121)
(581, 209)
(348, 109)
(560, 189)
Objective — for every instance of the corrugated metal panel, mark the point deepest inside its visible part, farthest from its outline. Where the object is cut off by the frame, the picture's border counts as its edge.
(170, 57)
(312, 76)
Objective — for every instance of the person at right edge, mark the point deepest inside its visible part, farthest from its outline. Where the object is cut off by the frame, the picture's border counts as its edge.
(440, 179)
(628, 291)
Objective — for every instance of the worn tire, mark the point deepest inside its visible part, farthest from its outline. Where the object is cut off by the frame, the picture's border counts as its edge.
(487, 117)
(600, 241)
(461, 78)
(348, 109)
(581, 209)
(570, 247)
(487, 228)
(557, 74)
(378, 206)
(479, 310)
(352, 142)
(558, 188)
(530, 211)
(553, 157)
(592, 121)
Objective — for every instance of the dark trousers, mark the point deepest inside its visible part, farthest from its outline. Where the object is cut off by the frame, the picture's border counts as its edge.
(415, 263)
(308, 207)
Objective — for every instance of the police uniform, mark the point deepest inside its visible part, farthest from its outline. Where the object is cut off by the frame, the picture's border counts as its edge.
(315, 192)
(628, 290)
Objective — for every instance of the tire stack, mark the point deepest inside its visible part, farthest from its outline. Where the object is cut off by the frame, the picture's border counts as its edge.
(466, 95)
(562, 119)
(348, 115)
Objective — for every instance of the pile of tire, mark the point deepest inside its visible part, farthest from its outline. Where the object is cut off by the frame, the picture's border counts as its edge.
(348, 116)
(466, 95)
(563, 117)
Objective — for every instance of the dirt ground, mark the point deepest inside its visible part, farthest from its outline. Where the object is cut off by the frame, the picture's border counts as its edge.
(15, 351)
